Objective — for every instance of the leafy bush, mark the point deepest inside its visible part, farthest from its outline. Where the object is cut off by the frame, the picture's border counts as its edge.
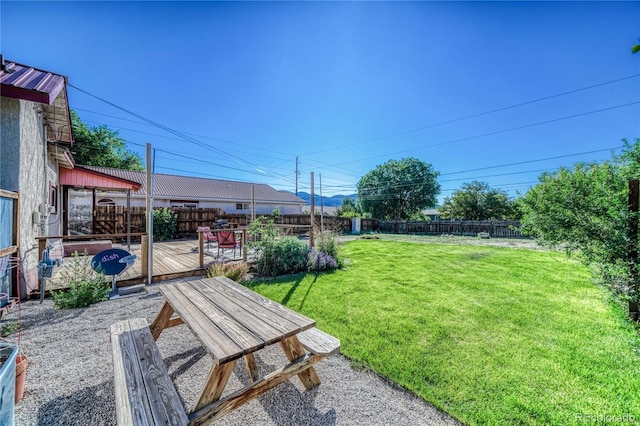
(165, 224)
(287, 255)
(262, 229)
(233, 271)
(86, 286)
(328, 243)
(584, 210)
(318, 261)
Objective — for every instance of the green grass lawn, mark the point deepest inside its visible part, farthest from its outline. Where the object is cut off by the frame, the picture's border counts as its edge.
(489, 335)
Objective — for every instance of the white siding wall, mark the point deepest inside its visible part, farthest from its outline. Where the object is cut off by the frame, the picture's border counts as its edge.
(229, 207)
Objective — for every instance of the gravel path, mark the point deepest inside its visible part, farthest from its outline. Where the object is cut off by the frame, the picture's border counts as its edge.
(70, 375)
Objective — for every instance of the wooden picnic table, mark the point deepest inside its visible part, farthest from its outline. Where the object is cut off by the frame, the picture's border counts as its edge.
(233, 322)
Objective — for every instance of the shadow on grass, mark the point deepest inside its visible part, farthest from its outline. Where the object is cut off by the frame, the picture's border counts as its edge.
(315, 278)
(293, 289)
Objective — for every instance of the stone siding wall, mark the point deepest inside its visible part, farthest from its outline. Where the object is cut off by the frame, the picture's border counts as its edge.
(32, 186)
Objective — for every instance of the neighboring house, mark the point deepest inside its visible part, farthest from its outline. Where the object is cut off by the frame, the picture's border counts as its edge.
(327, 210)
(35, 138)
(432, 214)
(185, 191)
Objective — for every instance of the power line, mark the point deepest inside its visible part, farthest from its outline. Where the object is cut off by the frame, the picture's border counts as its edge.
(166, 137)
(467, 117)
(160, 126)
(182, 136)
(506, 165)
(496, 175)
(532, 161)
(539, 123)
(199, 160)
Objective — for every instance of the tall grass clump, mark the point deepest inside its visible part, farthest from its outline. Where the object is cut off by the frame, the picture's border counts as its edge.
(233, 271)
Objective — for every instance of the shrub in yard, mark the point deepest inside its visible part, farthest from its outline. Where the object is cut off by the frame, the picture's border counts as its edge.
(86, 286)
(165, 224)
(287, 255)
(327, 242)
(318, 261)
(262, 229)
(233, 271)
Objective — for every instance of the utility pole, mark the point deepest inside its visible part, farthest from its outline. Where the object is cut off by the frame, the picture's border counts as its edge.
(321, 210)
(149, 212)
(313, 215)
(297, 173)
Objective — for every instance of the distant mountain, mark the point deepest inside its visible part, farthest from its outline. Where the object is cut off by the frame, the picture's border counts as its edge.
(335, 201)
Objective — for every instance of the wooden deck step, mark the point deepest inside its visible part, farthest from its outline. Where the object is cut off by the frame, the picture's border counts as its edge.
(318, 342)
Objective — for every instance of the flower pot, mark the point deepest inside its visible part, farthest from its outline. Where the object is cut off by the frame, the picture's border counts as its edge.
(21, 375)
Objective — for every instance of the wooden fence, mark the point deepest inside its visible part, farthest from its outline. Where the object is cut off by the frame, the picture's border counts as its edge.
(492, 228)
(113, 220)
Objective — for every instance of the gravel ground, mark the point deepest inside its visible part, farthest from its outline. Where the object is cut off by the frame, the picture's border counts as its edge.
(70, 375)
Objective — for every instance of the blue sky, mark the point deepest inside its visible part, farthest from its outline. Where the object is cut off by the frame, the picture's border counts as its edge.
(345, 86)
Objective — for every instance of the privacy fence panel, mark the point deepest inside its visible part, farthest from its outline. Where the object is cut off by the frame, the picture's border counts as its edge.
(491, 228)
(113, 220)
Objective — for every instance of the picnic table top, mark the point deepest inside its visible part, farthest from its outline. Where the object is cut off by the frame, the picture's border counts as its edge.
(231, 320)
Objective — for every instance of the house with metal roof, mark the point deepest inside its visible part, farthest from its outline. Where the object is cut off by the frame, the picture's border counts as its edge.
(35, 138)
(196, 192)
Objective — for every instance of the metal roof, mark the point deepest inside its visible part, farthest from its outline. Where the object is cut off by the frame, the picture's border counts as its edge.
(195, 188)
(32, 84)
(81, 176)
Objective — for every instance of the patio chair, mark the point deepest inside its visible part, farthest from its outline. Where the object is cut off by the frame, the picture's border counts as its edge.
(227, 240)
(207, 235)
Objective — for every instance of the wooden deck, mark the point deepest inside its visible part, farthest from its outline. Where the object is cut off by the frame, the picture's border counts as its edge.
(171, 259)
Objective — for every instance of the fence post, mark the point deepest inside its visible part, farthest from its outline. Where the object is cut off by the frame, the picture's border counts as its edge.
(242, 244)
(200, 249)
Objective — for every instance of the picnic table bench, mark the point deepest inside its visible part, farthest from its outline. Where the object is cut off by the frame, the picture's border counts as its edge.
(144, 392)
(231, 322)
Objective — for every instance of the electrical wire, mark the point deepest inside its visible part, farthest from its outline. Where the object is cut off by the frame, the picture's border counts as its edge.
(161, 126)
(497, 132)
(183, 137)
(480, 114)
(186, 133)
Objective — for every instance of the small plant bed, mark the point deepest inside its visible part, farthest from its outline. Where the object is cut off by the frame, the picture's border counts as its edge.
(82, 285)
(490, 335)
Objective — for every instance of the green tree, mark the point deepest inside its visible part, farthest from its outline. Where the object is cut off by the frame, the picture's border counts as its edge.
(101, 146)
(349, 208)
(583, 209)
(398, 189)
(478, 201)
